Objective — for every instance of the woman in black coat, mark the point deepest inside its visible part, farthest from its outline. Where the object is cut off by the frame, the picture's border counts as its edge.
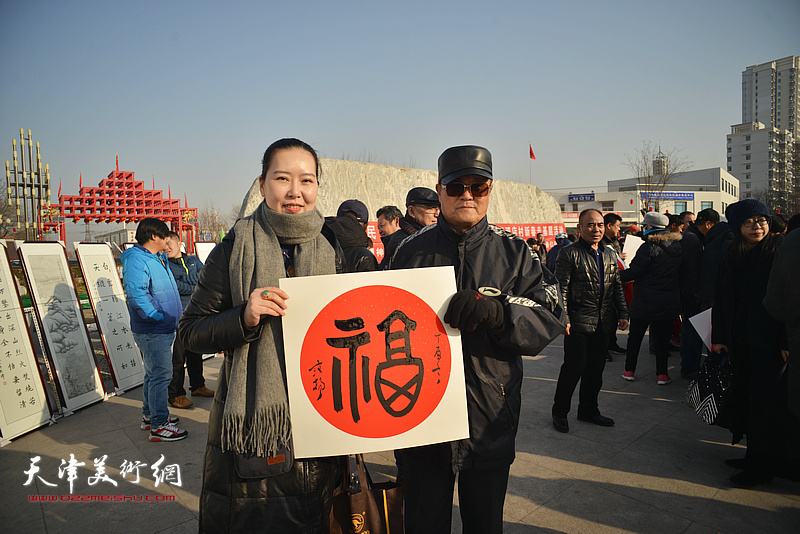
(656, 293)
(753, 339)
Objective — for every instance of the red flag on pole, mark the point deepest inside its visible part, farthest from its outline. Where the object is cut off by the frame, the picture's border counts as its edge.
(80, 182)
(169, 191)
(154, 183)
(532, 156)
(185, 201)
(117, 162)
(59, 190)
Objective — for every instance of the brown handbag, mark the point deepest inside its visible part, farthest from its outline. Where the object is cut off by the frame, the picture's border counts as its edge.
(375, 509)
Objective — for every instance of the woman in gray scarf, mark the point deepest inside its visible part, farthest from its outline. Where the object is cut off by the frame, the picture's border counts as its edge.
(251, 482)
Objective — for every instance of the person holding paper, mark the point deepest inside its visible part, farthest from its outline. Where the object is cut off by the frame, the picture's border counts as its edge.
(656, 293)
(506, 306)
(251, 482)
(757, 345)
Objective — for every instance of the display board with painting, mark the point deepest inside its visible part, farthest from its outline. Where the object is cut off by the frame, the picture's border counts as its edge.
(111, 310)
(23, 402)
(59, 312)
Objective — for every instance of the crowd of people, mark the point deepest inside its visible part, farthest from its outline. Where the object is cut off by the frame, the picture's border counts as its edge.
(513, 298)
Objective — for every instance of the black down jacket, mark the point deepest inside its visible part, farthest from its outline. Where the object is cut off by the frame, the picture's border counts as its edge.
(656, 271)
(579, 280)
(489, 258)
(298, 501)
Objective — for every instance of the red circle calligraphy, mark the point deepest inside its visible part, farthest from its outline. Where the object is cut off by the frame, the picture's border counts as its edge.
(375, 362)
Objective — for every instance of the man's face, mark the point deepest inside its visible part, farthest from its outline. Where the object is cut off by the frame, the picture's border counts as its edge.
(424, 215)
(612, 230)
(464, 211)
(540, 238)
(172, 247)
(591, 227)
(689, 218)
(388, 227)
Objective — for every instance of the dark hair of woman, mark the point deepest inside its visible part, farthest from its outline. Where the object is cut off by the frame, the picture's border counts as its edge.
(281, 144)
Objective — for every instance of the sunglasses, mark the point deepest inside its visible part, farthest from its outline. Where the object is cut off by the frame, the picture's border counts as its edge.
(456, 189)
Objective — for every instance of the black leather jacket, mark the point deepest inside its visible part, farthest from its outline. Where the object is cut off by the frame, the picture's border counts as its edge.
(579, 279)
(487, 256)
(297, 501)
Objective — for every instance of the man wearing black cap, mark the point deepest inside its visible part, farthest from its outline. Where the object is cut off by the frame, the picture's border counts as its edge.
(422, 209)
(504, 308)
(349, 226)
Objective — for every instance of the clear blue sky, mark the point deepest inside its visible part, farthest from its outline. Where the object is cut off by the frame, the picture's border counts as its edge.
(191, 93)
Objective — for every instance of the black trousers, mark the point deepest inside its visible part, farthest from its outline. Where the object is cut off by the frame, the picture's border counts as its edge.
(660, 332)
(428, 493)
(584, 360)
(194, 366)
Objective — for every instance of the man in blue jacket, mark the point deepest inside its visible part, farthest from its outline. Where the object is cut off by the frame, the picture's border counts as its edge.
(186, 270)
(155, 307)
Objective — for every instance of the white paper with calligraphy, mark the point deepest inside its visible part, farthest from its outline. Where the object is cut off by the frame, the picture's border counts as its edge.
(111, 310)
(23, 404)
(60, 314)
(370, 364)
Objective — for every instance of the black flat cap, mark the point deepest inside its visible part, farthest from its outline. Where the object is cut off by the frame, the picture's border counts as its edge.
(459, 161)
(423, 196)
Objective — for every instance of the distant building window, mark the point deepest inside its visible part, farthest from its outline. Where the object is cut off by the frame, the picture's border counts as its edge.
(706, 204)
(747, 138)
(730, 168)
(747, 157)
(729, 148)
(730, 159)
(680, 207)
(747, 166)
(747, 195)
(608, 206)
(747, 185)
(562, 207)
(747, 147)
(747, 176)
(574, 206)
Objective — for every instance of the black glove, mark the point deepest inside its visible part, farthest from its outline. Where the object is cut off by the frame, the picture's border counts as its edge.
(468, 309)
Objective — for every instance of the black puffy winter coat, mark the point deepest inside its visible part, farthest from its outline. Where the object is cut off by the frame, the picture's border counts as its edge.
(579, 281)
(489, 258)
(716, 242)
(656, 271)
(298, 501)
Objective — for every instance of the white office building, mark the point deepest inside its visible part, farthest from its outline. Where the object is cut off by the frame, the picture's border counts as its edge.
(771, 94)
(688, 191)
(766, 162)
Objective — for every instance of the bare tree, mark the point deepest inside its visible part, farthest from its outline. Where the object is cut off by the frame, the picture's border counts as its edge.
(214, 221)
(8, 214)
(654, 170)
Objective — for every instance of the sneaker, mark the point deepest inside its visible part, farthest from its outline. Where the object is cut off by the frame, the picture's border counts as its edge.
(167, 432)
(664, 380)
(203, 391)
(628, 375)
(146, 421)
(181, 402)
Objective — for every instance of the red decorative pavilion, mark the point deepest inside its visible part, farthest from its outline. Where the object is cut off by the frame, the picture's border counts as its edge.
(121, 198)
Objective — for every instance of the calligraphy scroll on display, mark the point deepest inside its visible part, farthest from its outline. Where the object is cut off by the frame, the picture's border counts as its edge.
(111, 310)
(67, 342)
(23, 402)
(370, 364)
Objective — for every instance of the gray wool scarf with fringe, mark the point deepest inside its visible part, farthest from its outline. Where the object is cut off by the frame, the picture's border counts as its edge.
(255, 419)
